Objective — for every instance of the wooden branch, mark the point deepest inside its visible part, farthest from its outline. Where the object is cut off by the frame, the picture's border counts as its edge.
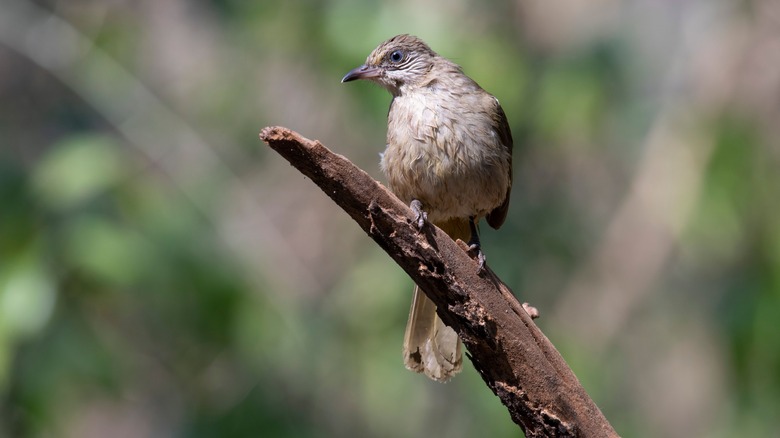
(512, 355)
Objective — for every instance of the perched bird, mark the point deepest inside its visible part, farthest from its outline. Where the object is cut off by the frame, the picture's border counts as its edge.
(449, 155)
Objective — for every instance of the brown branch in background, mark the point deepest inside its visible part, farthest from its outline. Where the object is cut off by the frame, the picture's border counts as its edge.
(508, 350)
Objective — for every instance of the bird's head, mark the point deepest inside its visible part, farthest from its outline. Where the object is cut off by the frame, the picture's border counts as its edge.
(397, 63)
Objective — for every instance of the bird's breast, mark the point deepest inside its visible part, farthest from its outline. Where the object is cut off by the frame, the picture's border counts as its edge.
(443, 150)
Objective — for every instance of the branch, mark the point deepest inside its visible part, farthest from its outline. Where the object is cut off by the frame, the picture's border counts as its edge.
(508, 350)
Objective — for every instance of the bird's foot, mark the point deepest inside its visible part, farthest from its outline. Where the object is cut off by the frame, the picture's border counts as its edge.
(476, 250)
(420, 216)
(475, 247)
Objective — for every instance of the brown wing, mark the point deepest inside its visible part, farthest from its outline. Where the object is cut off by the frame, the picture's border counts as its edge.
(497, 216)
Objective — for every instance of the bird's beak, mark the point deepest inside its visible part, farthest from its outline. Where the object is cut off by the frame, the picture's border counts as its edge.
(362, 72)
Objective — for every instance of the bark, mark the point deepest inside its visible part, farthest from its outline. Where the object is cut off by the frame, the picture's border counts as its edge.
(512, 355)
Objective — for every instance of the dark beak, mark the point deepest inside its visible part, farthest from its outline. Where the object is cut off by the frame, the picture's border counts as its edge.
(362, 72)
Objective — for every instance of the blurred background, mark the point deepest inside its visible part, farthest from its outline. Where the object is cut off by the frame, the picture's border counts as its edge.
(163, 273)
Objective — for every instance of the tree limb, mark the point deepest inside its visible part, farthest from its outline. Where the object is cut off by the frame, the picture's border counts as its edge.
(512, 355)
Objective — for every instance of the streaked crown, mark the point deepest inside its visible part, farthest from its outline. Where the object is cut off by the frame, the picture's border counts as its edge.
(397, 64)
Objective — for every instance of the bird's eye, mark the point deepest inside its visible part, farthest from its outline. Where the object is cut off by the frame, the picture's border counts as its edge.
(396, 56)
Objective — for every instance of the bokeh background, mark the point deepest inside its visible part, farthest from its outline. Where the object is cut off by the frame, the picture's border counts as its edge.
(163, 273)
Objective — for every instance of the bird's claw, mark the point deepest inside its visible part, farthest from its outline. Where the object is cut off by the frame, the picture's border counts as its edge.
(420, 216)
(476, 248)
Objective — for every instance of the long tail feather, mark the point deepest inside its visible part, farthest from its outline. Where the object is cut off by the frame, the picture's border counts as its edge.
(430, 346)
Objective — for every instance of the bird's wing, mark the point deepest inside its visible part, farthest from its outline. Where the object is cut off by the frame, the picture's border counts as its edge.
(497, 216)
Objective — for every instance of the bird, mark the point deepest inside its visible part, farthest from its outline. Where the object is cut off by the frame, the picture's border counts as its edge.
(449, 157)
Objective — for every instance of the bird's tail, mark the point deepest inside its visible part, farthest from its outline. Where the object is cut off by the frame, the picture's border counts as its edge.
(431, 347)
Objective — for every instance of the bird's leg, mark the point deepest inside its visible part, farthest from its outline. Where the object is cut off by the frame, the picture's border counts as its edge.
(420, 216)
(474, 245)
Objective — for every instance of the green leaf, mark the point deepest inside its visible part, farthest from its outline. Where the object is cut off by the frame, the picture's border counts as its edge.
(76, 170)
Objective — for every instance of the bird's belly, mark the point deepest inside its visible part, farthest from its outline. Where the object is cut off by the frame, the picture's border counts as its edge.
(455, 180)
